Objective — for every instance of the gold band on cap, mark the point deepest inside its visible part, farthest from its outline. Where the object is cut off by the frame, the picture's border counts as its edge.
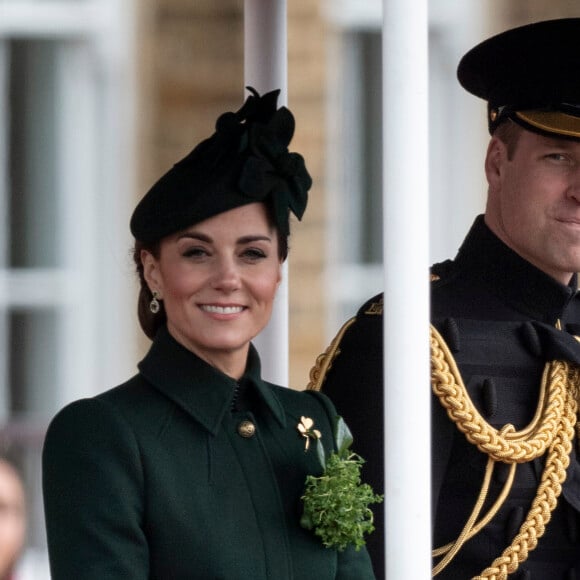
(552, 122)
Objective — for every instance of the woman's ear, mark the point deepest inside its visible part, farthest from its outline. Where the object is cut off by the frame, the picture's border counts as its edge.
(151, 272)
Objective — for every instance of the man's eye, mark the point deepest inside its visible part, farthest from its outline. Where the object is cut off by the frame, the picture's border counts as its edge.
(557, 157)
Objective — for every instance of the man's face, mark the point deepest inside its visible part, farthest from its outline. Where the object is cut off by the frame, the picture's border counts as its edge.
(533, 201)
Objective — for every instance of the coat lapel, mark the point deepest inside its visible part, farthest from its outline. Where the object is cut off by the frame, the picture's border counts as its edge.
(199, 389)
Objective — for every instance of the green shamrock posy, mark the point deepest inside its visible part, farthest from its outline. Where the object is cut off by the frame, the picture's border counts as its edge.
(336, 504)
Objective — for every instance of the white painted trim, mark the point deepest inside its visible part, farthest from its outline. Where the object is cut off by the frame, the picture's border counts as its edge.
(31, 18)
(353, 14)
(406, 298)
(266, 69)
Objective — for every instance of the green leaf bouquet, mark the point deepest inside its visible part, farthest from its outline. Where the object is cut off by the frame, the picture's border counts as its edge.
(336, 504)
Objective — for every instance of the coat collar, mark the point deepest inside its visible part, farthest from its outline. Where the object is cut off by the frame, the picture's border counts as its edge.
(508, 275)
(198, 388)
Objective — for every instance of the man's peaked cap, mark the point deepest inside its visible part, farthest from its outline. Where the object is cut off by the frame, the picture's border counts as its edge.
(530, 74)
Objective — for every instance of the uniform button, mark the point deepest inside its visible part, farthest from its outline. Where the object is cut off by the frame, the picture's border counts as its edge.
(529, 336)
(489, 394)
(246, 429)
(450, 332)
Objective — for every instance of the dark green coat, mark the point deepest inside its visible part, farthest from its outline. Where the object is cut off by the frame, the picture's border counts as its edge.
(152, 479)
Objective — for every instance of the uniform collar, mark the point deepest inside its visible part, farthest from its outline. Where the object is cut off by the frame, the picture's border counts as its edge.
(509, 276)
(198, 388)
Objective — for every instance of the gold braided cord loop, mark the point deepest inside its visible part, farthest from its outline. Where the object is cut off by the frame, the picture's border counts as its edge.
(543, 505)
(471, 529)
(574, 378)
(552, 429)
(516, 446)
(450, 550)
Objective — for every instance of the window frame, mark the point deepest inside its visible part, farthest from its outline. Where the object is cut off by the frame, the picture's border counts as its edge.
(91, 290)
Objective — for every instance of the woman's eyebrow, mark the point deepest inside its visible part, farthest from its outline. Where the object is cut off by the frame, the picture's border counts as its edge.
(247, 239)
(253, 238)
(196, 236)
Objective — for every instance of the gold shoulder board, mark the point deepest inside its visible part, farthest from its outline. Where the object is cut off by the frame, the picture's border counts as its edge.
(324, 361)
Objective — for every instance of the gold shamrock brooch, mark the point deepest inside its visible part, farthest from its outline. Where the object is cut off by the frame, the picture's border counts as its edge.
(306, 430)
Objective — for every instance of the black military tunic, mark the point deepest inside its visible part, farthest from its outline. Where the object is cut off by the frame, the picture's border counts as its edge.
(498, 314)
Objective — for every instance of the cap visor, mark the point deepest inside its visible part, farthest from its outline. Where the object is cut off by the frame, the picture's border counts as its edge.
(552, 122)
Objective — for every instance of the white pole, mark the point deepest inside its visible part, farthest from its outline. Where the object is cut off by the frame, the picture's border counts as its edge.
(406, 303)
(266, 69)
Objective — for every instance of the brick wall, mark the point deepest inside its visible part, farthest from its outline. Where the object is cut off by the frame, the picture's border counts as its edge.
(519, 12)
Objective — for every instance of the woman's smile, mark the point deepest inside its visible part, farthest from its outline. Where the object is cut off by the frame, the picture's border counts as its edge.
(225, 310)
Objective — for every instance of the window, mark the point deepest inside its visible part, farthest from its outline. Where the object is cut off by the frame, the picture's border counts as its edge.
(66, 323)
(354, 270)
(354, 190)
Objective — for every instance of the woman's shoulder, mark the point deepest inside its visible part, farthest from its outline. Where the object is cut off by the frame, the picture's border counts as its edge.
(300, 396)
(112, 410)
(84, 428)
(299, 403)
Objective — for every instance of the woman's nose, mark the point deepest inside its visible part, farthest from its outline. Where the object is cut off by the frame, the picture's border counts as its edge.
(226, 276)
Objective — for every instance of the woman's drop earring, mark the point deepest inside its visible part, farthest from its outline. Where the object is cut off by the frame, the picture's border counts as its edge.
(154, 304)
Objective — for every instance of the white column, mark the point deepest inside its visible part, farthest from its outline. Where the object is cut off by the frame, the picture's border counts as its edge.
(266, 69)
(406, 306)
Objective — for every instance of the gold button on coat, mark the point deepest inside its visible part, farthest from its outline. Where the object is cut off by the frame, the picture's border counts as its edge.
(246, 429)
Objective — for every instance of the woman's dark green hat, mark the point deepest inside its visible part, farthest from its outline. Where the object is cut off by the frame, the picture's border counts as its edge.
(531, 75)
(246, 160)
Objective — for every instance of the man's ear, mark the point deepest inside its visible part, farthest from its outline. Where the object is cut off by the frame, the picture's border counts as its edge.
(494, 159)
(151, 272)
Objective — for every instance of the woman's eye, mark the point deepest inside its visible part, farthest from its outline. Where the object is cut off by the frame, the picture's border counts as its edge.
(254, 253)
(195, 253)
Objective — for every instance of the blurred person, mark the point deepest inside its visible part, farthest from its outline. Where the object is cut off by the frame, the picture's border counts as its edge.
(195, 467)
(12, 519)
(505, 315)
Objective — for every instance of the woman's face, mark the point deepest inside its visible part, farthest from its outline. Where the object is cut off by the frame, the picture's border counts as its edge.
(217, 281)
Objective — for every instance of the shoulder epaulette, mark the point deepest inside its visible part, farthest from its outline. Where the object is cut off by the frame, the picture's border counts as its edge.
(443, 271)
(372, 307)
(324, 361)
